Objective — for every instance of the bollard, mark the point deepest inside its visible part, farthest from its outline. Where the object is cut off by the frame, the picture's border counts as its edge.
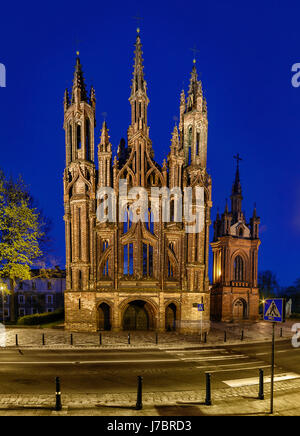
(261, 385)
(139, 402)
(156, 338)
(281, 332)
(225, 336)
(128, 338)
(58, 405)
(208, 389)
(242, 335)
(71, 339)
(100, 339)
(205, 337)
(43, 338)
(17, 343)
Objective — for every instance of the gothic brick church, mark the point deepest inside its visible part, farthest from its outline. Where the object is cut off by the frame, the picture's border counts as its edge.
(148, 274)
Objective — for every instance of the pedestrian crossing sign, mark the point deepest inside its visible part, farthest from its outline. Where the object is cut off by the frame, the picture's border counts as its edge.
(274, 310)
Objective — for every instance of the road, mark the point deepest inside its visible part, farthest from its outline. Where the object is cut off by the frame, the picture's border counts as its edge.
(103, 371)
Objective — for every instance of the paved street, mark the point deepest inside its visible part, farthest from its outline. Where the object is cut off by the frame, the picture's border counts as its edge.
(108, 375)
(102, 380)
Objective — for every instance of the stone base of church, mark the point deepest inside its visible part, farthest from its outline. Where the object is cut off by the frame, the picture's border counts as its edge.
(229, 304)
(160, 311)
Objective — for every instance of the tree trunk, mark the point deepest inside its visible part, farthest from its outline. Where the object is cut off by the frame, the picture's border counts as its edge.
(12, 300)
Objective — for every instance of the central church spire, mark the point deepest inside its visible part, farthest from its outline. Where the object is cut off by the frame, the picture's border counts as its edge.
(138, 98)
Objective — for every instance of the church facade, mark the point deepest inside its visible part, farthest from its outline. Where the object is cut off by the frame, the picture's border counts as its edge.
(234, 293)
(149, 272)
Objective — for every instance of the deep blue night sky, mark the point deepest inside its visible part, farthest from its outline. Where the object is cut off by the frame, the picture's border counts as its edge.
(245, 59)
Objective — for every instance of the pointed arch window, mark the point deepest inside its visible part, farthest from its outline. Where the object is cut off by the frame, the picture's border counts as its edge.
(70, 142)
(105, 269)
(170, 269)
(128, 260)
(198, 144)
(127, 221)
(149, 220)
(78, 136)
(87, 139)
(239, 269)
(147, 260)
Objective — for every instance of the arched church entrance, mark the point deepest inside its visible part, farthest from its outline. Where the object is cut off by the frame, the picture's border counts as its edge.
(104, 317)
(239, 309)
(138, 316)
(170, 317)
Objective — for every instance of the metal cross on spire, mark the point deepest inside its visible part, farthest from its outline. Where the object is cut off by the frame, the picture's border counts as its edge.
(238, 158)
(138, 20)
(195, 51)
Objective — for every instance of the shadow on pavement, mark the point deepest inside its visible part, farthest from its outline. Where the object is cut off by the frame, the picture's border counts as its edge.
(179, 411)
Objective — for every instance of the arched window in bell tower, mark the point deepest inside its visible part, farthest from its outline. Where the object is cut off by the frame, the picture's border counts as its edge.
(189, 157)
(78, 136)
(197, 144)
(239, 269)
(70, 142)
(87, 139)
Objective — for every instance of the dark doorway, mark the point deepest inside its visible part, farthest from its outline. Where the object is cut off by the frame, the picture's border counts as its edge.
(136, 316)
(104, 317)
(171, 317)
(239, 309)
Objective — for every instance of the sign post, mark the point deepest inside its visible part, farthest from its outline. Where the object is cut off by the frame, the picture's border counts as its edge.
(201, 309)
(274, 311)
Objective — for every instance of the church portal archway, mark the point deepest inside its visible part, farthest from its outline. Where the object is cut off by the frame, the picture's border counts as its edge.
(170, 317)
(239, 309)
(104, 316)
(138, 316)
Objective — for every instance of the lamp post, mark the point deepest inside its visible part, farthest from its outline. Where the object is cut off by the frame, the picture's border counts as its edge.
(2, 290)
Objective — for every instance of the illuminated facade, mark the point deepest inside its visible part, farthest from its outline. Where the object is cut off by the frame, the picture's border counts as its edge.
(234, 294)
(134, 275)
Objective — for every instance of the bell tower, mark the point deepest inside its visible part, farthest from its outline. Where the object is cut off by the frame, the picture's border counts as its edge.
(234, 295)
(79, 186)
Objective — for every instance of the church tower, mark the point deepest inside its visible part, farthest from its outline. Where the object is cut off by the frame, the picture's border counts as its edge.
(79, 188)
(234, 294)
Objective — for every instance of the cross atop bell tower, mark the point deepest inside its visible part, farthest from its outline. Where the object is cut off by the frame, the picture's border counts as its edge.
(236, 194)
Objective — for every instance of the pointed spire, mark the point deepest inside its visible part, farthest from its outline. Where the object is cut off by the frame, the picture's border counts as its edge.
(175, 138)
(66, 99)
(182, 98)
(195, 89)
(254, 211)
(93, 97)
(79, 90)
(237, 187)
(138, 81)
(226, 206)
(104, 139)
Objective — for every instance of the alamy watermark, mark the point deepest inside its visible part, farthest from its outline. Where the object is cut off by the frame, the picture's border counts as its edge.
(296, 336)
(2, 76)
(296, 77)
(165, 205)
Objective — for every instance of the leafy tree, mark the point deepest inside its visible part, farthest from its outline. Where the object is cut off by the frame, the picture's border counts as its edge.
(268, 285)
(21, 233)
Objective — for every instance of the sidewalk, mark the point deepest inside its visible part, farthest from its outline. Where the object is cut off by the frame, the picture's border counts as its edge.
(60, 339)
(228, 401)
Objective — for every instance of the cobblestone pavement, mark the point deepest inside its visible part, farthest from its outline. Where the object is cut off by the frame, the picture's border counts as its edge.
(32, 337)
(123, 404)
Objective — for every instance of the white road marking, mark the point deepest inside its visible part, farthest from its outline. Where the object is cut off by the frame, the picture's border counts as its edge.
(232, 364)
(204, 358)
(255, 380)
(199, 351)
(239, 369)
(87, 362)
